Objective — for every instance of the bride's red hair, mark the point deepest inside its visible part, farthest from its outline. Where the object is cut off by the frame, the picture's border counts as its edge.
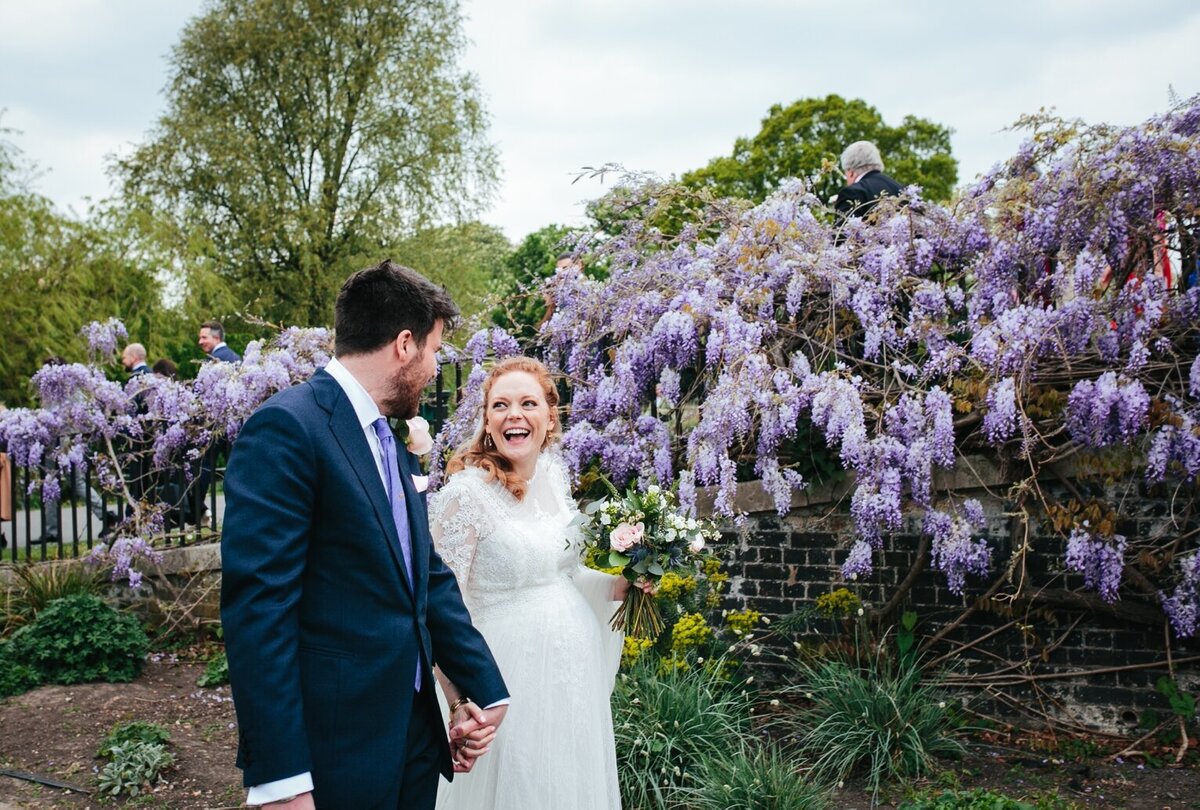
(481, 453)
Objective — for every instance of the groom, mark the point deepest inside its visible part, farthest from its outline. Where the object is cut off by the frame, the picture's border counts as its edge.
(334, 605)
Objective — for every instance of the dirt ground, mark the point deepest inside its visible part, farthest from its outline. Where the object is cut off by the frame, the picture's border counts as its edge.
(54, 732)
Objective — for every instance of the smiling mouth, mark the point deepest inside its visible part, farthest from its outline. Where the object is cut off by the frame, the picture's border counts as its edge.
(516, 435)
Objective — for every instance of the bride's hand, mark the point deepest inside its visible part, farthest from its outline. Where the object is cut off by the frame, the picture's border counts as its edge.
(471, 733)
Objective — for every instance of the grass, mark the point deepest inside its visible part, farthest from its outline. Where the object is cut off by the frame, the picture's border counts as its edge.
(666, 727)
(878, 717)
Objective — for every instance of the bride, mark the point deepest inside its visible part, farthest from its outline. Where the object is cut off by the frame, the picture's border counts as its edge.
(504, 522)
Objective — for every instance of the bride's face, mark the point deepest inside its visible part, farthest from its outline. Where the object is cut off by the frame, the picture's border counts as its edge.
(518, 419)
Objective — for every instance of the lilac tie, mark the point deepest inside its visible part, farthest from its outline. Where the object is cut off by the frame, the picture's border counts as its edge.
(395, 491)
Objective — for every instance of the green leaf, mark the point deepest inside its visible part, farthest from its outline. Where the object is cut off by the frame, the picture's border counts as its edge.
(617, 560)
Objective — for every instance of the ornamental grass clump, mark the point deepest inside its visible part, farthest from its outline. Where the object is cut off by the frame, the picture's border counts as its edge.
(667, 725)
(877, 717)
(755, 779)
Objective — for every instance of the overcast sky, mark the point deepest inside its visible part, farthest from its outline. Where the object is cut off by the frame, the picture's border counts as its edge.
(655, 85)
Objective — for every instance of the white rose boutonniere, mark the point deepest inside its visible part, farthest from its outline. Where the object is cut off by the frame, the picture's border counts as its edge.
(419, 441)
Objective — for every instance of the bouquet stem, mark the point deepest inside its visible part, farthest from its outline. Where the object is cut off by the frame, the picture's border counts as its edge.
(638, 615)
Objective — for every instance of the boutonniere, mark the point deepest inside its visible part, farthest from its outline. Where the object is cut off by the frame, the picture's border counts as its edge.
(417, 438)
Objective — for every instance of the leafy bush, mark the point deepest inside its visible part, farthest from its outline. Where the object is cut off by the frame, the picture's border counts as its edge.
(216, 672)
(760, 780)
(78, 639)
(135, 732)
(666, 725)
(16, 678)
(878, 716)
(134, 765)
(36, 586)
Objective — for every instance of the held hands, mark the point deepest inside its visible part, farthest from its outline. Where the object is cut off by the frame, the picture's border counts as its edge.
(472, 730)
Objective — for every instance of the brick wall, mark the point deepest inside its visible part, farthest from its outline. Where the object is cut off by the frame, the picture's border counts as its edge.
(782, 564)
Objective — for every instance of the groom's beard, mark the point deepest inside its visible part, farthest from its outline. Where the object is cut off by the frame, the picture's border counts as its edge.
(405, 397)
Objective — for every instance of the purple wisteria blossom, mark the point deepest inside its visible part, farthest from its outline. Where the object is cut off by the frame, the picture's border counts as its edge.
(955, 550)
(1100, 560)
(1108, 410)
(1183, 605)
(1002, 419)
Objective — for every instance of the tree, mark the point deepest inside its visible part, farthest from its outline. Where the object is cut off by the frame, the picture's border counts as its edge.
(57, 273)
(806, 139)
(531, 262)
(468, 259)
(304, 138)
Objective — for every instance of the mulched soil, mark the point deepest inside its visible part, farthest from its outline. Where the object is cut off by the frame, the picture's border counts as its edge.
(54, 732)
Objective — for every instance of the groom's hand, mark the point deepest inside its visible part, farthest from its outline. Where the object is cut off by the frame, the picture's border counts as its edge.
(303, 801)
(472, 732)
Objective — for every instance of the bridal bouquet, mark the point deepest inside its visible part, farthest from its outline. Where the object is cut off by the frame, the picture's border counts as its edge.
(645, 536)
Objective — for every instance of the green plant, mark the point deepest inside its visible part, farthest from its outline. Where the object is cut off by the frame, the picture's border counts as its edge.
(137, 731)
(981, 799)
(876, 715)
(78, 639)
(134, 765)
(216, 671)
(37, 585)
(763, 779)
(667, 724)
(16, 678)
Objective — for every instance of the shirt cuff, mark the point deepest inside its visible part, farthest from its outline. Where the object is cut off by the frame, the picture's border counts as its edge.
(280, 789)
(504, 702)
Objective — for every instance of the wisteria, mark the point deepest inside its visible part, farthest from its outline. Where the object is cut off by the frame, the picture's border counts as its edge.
(1038, 319)
(149, 425)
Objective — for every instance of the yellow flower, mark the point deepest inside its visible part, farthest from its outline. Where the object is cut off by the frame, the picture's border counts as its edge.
(597, 558)
(711, 566)
(840, 602)
(689, 632)
(672, 663)
(634, 647)
(741, 623)
(673, 586)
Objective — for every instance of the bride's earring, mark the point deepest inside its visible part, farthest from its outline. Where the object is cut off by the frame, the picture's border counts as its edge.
(487, 441)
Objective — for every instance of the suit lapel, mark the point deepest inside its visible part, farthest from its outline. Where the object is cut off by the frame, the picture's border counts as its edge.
(349, 434)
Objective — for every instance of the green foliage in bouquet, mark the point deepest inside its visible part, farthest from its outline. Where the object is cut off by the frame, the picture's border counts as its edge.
(645, 537)
(79, 639)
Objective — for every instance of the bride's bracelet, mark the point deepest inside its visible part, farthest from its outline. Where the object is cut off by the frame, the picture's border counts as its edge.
(462, 701)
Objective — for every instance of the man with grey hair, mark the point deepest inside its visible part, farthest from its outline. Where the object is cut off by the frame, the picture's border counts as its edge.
(865, 180)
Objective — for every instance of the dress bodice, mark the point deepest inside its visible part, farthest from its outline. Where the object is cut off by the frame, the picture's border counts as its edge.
(503, 550)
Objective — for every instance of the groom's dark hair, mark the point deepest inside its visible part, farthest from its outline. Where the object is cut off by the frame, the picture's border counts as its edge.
(376, 304)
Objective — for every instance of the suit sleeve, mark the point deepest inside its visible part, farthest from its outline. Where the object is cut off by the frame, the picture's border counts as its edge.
(269, 491)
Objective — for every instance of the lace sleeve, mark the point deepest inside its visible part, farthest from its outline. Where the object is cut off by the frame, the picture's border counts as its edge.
(457, 521)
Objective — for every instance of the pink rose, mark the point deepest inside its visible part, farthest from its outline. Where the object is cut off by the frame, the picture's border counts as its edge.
(419, 440)
(697, 544)
(626, 536)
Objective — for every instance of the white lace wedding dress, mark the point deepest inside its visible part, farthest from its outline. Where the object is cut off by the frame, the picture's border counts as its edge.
(545, 618)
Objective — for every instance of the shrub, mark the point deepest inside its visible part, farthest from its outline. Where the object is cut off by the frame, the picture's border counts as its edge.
(666, 724)
(754, 780)
(78, 639)
(878, 716)
(16, 678)
(216, 672)
(135, 732)
(36, 586)
(134, 765)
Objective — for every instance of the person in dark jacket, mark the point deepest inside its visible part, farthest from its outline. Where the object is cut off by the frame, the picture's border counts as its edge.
(865, 181)
(212, 341)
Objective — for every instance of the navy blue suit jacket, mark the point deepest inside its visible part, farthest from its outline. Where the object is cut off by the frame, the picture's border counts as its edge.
(225, 355)
(322, 630)
(857, 199)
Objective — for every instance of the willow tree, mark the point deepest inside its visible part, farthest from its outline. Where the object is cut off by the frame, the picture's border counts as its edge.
(304, 138)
